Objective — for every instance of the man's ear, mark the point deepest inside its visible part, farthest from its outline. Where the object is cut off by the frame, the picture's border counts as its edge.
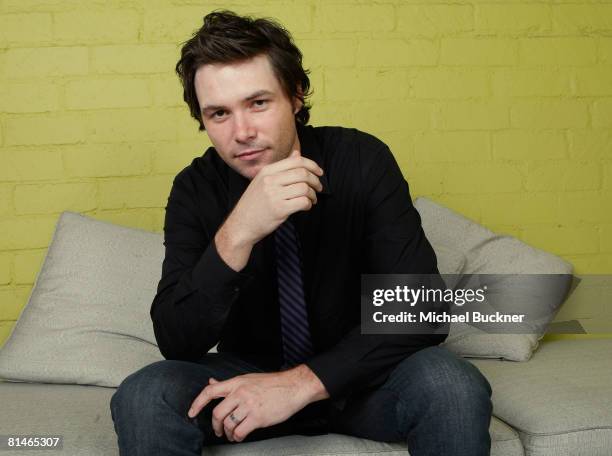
(297, 102)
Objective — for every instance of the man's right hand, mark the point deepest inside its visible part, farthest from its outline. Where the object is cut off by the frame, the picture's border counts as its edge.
(277, 191)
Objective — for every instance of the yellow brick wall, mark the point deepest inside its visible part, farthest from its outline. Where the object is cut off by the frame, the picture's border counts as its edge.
(502, 111)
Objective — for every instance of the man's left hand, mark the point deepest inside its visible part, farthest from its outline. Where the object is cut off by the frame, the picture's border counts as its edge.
(257, 400)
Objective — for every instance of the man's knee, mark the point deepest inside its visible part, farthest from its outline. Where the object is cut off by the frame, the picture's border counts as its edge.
(161, 383)
(438, 378)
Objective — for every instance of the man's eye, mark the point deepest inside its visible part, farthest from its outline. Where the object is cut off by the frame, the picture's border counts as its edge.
(218, 113)
(260, 103)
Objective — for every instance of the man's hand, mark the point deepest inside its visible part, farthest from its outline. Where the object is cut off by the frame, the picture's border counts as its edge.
(277, 191)
(258, 400)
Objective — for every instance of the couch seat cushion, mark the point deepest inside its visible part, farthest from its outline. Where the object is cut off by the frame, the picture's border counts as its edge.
(560, 401)
(81, 413)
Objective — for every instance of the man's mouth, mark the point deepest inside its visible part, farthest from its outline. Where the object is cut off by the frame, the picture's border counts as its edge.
(250, 154)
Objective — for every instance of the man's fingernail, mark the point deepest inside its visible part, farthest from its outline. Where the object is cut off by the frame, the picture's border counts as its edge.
(190, 413)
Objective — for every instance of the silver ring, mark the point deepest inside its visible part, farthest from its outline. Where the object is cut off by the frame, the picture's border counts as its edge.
(234, 419)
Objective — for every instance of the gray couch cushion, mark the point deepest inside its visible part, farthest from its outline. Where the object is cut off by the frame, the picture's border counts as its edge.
(82, 415)
(90, 303)
(560, 400)
(487, 252)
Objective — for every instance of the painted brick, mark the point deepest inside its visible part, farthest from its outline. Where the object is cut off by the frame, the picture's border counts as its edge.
(452, 147)
(434, 20)
(134, 59)
(107, 93)
(396, 52)
(562, 176)
(127, 125)
(449, 83)
(19, 97)
(25, 29)
(520, 208)
(169, 157)
(592, 207)
(27, 265)
(145, 219)
(339, 113)
(582, 18)
(12, 301)
(401, 144)
(166, 91)
(344, 85)
(6, 261)
(605, 50)
(524, 145)
(530, 82)
(295, 15)
(6, 328)
(557, 51)
(406, 115)
(563, 240)
(606, 238)
(61, 128)
(353, 18)
(25, 165)
(514, 18)
(171, 25)
(478, 51)
(136, 192)
(107, 160)
(6, 199)
(16, 6)
(602, 113)
(115, 26)
(472, 115)
(54, 198)
(549, 114)
(590, 144)
(328, 53)
(45, 61)
(481, 178)
(425, 180)
(607, 171)
(26, 232)
(462, 204)
(591, 264)
(593, 81)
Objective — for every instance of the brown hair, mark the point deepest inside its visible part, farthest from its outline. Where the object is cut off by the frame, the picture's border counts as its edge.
(226, 37)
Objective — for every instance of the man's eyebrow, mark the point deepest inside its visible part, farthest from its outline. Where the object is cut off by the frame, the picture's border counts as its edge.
(254, 95)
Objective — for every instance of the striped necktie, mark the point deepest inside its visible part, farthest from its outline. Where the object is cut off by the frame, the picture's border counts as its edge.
(297, 344)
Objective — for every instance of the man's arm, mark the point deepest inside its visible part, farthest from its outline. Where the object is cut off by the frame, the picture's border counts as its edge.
(197, 287)
(394, 243)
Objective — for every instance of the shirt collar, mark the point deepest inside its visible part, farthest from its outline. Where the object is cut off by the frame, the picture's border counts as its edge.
(310, 148)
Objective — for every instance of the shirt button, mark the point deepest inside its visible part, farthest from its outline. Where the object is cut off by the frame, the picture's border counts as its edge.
(236, 289)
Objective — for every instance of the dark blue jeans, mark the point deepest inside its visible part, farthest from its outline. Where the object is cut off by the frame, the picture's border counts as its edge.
(435, 401)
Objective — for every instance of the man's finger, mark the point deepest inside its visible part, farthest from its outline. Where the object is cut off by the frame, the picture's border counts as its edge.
(220, 413)
(248, 425)
(296, 175)
(220, 389)
(294, 160)
(297, 190)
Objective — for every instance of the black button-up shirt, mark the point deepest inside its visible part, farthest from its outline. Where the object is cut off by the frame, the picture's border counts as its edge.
(363, 222)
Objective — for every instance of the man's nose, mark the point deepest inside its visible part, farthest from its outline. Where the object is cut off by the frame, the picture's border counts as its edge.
(244, 128)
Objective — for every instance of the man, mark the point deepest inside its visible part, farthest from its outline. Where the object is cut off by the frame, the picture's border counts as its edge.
(267, 235)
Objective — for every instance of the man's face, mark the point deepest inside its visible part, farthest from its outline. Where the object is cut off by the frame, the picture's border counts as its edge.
(248, 117)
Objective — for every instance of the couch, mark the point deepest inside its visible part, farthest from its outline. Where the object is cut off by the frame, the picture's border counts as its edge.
(86, 326)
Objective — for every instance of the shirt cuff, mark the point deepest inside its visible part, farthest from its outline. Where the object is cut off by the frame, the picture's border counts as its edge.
(213, 273)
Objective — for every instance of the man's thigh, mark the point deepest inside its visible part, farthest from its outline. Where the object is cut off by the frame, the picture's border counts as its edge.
(388, 412)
